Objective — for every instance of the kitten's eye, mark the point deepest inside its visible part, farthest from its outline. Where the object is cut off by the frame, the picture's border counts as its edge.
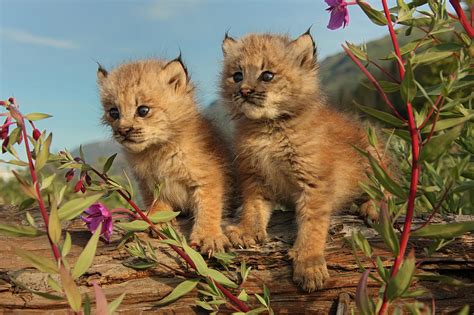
(114, 113)
(267, 76)
(143, 110)
(238, 76)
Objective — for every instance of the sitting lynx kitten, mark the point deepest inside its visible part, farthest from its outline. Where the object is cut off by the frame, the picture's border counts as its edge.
(151, 109)
(291, 147)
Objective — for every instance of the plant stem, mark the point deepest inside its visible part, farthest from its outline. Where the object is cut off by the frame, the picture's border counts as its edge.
(34, 179)
(415, 168)
(242, 306)
(462, 18)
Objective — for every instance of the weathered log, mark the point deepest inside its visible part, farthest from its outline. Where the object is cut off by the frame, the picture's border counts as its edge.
(270, 266)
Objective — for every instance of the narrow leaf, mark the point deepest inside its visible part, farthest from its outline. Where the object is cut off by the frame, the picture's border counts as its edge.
(115, 303)
(87, 256)
(134, 226)
(439, 145)
(163, 216)
(375, 16)
(108, 163)
(18, 230)
(400, 283)
(36, 116)
(54, 226)
(201, 265)
(182, 289)
(70, 288)
(41, 263)
(385, 180)
(221, 278)
(382, 116)
(75, 207)
(408, 87)
(447, 230)
(43, 155)
(363, 302)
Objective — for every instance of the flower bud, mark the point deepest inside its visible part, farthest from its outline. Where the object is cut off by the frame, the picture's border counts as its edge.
(36, 134)
(88, 180)
(11, 100)
(79, 185)
(5, 144)
(70, 175)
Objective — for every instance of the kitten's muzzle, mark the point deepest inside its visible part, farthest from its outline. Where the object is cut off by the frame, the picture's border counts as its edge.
(124, 131)
(246, 92)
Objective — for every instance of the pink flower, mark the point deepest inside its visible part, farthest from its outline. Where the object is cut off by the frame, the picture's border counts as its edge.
(339, 13)
(96, 214)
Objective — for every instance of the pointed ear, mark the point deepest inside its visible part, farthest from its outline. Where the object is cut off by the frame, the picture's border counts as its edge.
(304, 49)
(101, 74)
(176, 73)
(228, 43)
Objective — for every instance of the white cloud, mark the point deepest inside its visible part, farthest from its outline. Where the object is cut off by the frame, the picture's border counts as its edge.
(29, 38)
(165, 9)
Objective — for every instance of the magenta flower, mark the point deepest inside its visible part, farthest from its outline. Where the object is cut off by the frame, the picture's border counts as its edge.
(96, 214)
(339, 13)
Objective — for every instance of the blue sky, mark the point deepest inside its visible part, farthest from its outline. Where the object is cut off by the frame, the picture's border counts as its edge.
(48, 48)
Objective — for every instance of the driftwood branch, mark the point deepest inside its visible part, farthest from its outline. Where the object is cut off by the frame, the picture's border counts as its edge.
(270, 266)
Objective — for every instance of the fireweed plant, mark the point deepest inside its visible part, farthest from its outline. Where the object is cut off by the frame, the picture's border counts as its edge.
(91, 186)
(432, 133)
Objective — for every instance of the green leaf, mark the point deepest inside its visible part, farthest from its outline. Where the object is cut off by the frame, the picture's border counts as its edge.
(401, 282)
(66, 245)
(87, 305)
(221, 278)
(430, 57)
(18, 230)
(442, 279)
(30, 219)
(464, 310)
(54, 226)
(134, 226)
(141, 264)
(39, 262)
(206, 306)
(409, 47)
(163, 216)
(48, 181)
(385, 180)
(408, 86)
(362, 243)
(108, 163)
(197, 259)
(261, 300)
(15, 162)
(375, 16)
(446, 123)
(386, 230)
(182, 289)
(54, 285)
(243, 296)
(359, 53)
(75, 207)
(87, 256)
(382, 116)
(112, 307)
(15, 135)
(447, 230)
(439, 145)
(43, 155)
(70, 288)
(36, 116)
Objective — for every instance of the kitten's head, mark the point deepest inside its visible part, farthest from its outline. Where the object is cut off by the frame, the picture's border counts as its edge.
(145, 101)
(269, 76)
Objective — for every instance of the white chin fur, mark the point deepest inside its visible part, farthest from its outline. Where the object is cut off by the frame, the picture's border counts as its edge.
(254, 113)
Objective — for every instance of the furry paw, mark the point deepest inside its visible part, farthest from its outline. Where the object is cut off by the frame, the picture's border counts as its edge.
(210, 242)
(310, 273)
(239, 236)
(369, 211)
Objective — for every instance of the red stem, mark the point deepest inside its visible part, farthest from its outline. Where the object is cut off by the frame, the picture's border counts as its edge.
(242, 306)
(373, 81)
(435, 106)
(415, 168)
(34, 178)
(462, 18)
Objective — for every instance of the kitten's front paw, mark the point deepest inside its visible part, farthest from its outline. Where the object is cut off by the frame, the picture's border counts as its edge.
(310, 273)
(369, 211)
(240, 236)
(210, 242)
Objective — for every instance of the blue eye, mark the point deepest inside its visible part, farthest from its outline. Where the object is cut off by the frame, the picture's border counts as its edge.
(143, 110)
(267, 76)
(114, 113)
(238, 76)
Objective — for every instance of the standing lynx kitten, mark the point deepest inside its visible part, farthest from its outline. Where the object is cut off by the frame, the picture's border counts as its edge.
(151, 109)
(291, 147)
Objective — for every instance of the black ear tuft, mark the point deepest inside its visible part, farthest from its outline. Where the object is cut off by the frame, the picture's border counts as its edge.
(180, 60)
(101, 73)
(227, 35)
(308, 32)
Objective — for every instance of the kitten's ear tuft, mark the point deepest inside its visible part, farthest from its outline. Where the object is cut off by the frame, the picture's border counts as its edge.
(227, 43)
(304, 49)
(101, 73)
(176, 73)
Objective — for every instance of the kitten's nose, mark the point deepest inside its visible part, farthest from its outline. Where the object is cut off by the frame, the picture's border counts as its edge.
(124, 131)
(246, 91)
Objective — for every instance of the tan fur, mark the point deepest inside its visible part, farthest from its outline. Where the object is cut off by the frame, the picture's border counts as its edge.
(173, 146)
(291, 147)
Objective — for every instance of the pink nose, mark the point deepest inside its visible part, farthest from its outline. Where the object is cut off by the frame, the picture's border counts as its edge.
(246, 92)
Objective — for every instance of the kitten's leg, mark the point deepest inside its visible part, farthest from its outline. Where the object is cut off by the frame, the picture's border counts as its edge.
(313, 212)
(207, 230)
(256, 212)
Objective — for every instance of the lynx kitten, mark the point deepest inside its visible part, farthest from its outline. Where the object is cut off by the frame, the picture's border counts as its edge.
(150, 106)
(291, 147)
